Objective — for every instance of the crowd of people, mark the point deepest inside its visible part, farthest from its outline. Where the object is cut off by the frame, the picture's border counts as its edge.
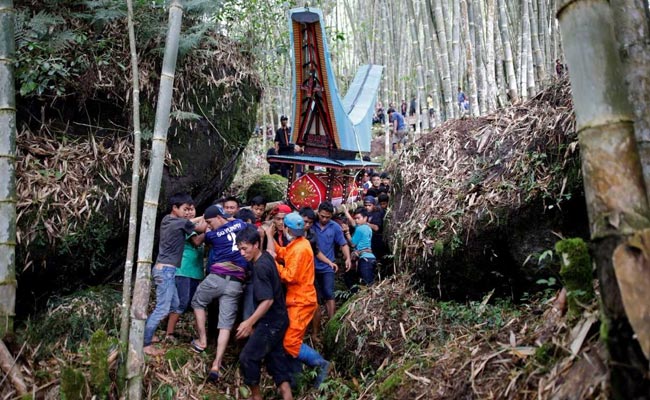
(265, 276)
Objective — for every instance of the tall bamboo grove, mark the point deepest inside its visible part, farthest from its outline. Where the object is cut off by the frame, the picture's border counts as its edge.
(135, 357)
(614, 187)
(7, 168)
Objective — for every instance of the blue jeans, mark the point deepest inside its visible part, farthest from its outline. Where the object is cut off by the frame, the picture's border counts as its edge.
(366, 268)
(166, 299)
(185, 287)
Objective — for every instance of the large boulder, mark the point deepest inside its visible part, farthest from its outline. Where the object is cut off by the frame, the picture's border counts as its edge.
(479, 203)
(75, 123)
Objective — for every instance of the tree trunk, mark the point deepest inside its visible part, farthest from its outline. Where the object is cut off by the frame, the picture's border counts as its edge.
(418, 59)
(507, 51)
(632, 32)
(135, 184)
(614, 188)
(538, 59)
(135, 360)
(444, 52)
(469, 63)
(456, 75)
(530, 79)
(476, 18)
(7, 169)
(490, 58)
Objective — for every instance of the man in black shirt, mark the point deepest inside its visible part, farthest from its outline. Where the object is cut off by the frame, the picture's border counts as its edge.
(266, 327)
(283, 145)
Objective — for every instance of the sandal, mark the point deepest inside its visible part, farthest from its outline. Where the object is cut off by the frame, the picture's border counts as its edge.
(213, 376)
(196, 347)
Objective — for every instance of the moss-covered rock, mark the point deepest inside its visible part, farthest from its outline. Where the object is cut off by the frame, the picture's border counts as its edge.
(271, 187)
(100, 381)
(73, 384)
(576, 273)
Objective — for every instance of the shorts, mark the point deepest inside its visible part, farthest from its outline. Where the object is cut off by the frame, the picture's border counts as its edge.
(324, 283)
(227, 289)
(399, 137)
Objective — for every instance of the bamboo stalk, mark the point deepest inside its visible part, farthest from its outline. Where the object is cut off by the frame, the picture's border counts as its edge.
(614, 187)
(7, 169)
(135, 359)
(135, 183)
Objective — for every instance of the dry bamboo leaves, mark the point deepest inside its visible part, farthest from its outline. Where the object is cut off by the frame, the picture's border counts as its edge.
(532, 354)
(59, 184)
(460, 175)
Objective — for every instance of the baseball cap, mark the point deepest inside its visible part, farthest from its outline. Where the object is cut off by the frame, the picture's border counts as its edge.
(384, 175)
(294, 221)
(284, 118)
(282, 208)
(369, 199)
(215, 211)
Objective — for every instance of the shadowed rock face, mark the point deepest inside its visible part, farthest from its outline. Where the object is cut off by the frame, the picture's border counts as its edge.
(478, 201)
(220, 90)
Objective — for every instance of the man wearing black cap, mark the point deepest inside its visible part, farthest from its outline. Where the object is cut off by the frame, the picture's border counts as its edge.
(225, 282)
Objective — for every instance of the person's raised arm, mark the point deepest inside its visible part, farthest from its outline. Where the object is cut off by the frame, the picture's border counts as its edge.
(348, 216)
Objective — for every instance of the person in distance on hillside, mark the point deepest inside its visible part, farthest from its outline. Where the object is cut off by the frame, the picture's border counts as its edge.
(399, 129)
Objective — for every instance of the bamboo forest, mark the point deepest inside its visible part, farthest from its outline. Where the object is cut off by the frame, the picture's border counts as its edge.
(327, 199)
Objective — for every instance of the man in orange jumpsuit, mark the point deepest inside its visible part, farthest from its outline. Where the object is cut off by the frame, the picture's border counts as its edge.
(298, 276)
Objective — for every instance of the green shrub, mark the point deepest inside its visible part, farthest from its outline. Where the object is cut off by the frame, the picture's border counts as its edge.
(69, 320)
(271, 187)
(73, 384)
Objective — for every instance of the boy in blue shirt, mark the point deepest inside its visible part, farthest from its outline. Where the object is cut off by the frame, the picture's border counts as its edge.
(361, 244)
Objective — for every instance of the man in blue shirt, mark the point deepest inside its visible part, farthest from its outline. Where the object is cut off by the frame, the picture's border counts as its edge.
(399, 128)
(329, 234)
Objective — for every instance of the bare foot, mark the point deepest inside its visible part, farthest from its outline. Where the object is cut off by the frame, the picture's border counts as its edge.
(155, 339)
(152, 351)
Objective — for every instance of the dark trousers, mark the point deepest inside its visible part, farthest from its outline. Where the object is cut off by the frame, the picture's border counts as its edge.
(365, 270)
(265, 344)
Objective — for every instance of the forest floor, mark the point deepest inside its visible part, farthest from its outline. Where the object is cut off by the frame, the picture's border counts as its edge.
(390, 341)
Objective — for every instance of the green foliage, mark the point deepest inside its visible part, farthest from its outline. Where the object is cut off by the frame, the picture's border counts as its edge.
(547, 354)
(100, 381)
(165, 391)
(72, 319)
(73, 384)
(178, 357)
(336, 389)
(576, 273)
(271, 187)
(489, 316)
